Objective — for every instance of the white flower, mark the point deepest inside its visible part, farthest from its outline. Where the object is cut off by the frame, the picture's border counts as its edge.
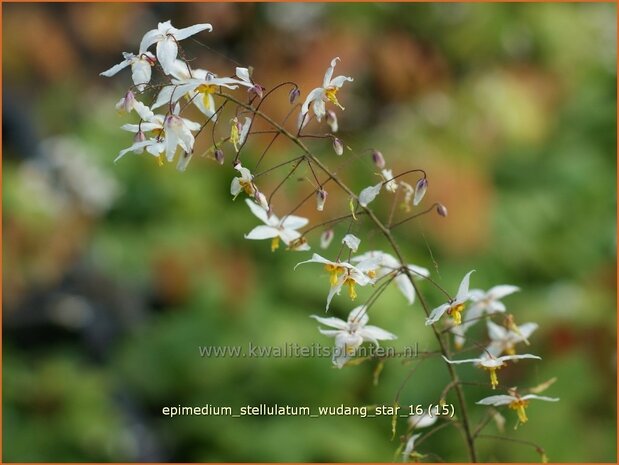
(454, 307)
(368, 194)
(390, 184)
(321, 198)
(343, 273)
(421, 421)
(167, 37)
(482, 303)
(420, 190)
(351, 241)
(274, 228)
(318, 96)
(350, 334)
(387, 264)
(515, 402)
(503, 340)
(140, 68)
(326, 238)
(492, 364)
(410, 446)
(244, 182)
(152, 146)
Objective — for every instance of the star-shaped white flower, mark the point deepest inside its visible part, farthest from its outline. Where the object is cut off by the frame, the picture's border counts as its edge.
(350, 334)
(327, 93)
(244, 182)
(421, 421)
(482, 303)
(515, 402)
(141, 65)
(167, 37)
(343, 273)
(492, 364)
(504, 340)
(274, 228)
(454, 307)
(387, 264)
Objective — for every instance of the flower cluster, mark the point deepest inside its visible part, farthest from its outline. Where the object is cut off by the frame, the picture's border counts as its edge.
(166, 132)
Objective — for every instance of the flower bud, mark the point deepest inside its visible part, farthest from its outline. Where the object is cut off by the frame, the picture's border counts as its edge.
(326, 238)
(321, 198)
(126, 103)
(219, 156)
(294, 94)
(256, 90)
(139, 137)
(332, 120)
(262, 199)
(338, 146)
(441, 210)
(420, 190)
(378, 159)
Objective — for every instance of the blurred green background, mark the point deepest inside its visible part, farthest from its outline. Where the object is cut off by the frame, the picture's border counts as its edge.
(115, 274)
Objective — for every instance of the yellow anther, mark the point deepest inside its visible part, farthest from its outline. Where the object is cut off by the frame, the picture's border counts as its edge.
(371, 274)
(235, 136)
(494, 379)
(456, 313)
(510, 350)
(352, 292)
(274, 243)
(334, 272)
(519, 406)
(331, 96)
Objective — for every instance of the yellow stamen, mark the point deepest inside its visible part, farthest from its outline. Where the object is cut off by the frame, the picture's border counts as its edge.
(352, 292)
(494, 379)
(160, 160)
(235, 136)
(274, 243)
(510, 350)
(519, 406)
(247, 187)
(331, 96)
(350, 350)
(456, 313)
(334, 272)
(371, 274)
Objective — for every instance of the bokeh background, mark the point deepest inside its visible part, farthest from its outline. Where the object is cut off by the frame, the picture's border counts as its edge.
(115, 274)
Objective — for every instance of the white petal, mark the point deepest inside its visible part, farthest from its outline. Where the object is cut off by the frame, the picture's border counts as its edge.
(244, 130)
(166, 53)
(406, 287)
(436, 314)
(410, 446)
(327, 79)
(518, 357)
(418, 271)
(115, 69)
(319, 109)
(171, 142)
(497, 400)
(527, 329)
(143, 111)
(133, 148)
(334, 290)
(533, 396)
(243, 74)
(358, 316)
(496, 332)
(191, 30)
(468, 360)
(351, 241)
(140, 73)
(262, 232)
(339, 81)
(316, 94)
(463, 290)
(368, 194)
(374, 334)
(258, 211)
(502, 290)
(294, 222)
(289, 235)
(149, 39)
(332, 322)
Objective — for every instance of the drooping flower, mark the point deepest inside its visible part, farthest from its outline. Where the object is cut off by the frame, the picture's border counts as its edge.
(492, 364)
(504, 340)
(420, 190)
(482, 303)
(244, 74)
(391, 184)
(321, 198)
(455, 306)
(167, 37)
(141, 65)
(327, 93)
(244, 182)
(238, 132)
(410, 447)
(515, 402)
(350, 334)
(274, 228)
(387, 264)
(421, 421)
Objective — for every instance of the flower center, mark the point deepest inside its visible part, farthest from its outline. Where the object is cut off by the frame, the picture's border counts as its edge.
(456, 313)
(331, 93)
(352, 292)
(274, 243)
(334, 271)
(494, 379)
(519, 406)
(206, 90)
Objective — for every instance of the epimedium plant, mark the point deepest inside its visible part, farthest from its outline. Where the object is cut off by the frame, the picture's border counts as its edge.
(169, 137)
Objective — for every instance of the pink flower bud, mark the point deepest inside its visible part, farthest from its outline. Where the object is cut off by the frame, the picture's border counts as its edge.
(338, 146)
(256, 90)
(378, 159)
(294, 94)
(219, 156)
(139, 137)
(441, 210)
(321, 198)
(326, 238)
